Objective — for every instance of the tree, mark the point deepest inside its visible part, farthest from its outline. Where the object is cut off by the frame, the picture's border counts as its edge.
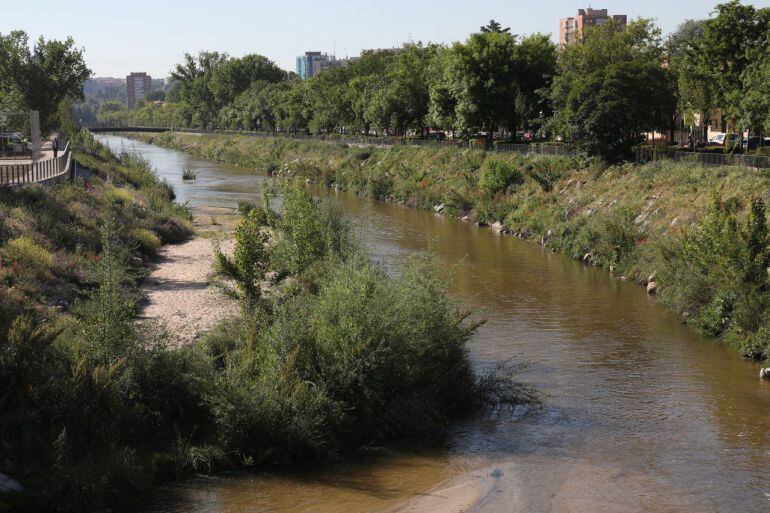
(42, 77)
(367, 81)
(442, 105)
(326, 99)
(494, 26)
(754, 107)
(694, 89)
(401, 99)
(536, 57)
(729, 44)
(192, 86)
(612, 88)
(481, 79)
(234, 76)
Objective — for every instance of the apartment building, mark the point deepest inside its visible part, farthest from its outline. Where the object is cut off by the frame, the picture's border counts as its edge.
(314, 63)
(137, 86)
(571, 29)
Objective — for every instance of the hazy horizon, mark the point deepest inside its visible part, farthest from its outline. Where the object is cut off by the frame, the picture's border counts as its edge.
(152, 37)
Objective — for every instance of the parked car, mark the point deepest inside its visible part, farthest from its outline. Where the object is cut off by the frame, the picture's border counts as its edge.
(717, 138)
(752, 143)
(722, 139)
(14, 144)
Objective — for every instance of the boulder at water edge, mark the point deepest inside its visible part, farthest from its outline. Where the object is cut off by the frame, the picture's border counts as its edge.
(765, 373)
(652, 287)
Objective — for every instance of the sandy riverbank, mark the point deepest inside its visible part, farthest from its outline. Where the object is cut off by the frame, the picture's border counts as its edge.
(460, 495)
(180, 297)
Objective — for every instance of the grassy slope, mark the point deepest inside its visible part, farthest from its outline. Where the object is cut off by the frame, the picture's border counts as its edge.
(49, 235)
(617, 217)
(60, 427)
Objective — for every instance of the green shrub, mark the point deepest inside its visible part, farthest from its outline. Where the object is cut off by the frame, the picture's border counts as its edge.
(610, 237)
(148, 243)
(249, 262)
(29, 253)
(309, 231)
(119, 196)
(755, 345)
(496, 175)
(718, 273)
(545, 173)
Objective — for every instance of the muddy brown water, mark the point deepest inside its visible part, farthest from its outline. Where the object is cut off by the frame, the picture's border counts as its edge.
(640, 413)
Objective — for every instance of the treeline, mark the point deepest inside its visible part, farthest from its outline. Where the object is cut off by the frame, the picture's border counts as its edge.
(602, 95)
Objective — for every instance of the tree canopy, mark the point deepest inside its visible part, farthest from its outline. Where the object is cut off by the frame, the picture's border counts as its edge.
(42, 76)
(613, 87)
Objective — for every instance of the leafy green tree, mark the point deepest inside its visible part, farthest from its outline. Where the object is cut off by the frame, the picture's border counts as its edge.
(754, 107)
(729, 44)
(250, 257)
(443, 104)
(327, 100)
(694, 89)
(612, 88)
(291, 105)
(401, 100)
(41, 77)
(234, 76)
(192, 79)
(536, 57)
(494, 26)
(481, 80)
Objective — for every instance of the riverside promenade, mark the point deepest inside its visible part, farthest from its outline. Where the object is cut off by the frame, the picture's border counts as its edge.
(22, 171)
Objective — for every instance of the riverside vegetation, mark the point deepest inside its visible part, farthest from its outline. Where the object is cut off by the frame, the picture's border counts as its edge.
(699, 233)
(96, 408)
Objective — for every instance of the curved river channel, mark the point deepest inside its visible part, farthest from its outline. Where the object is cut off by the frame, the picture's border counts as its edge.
(639, 412)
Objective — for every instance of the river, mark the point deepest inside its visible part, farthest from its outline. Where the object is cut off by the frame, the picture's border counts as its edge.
(639, 412)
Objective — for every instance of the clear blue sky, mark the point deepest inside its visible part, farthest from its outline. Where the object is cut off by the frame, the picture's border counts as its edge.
(153, 35)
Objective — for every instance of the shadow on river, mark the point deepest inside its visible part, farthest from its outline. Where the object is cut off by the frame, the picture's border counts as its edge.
(640, 413)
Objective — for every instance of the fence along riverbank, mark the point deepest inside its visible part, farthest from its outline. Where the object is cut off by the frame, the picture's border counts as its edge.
(13, 174)
(642, 155)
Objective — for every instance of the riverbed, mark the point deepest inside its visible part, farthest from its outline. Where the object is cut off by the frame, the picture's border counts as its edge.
(639, 412)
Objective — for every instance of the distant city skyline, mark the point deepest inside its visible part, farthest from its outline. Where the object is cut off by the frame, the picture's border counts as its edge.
(153, 36)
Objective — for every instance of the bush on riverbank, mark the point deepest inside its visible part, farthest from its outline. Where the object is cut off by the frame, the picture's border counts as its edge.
(345, 355)
(631, 219)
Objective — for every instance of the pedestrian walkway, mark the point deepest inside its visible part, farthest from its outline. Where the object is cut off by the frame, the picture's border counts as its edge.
(23, 171)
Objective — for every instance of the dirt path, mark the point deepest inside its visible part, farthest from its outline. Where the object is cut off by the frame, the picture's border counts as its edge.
(179, 296)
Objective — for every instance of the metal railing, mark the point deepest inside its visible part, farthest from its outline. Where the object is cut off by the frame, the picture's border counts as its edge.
(37, 171)
(704, 158)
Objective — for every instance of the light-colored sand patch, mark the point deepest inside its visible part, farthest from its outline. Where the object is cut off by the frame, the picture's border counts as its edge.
(460, 495)
(179, 296)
